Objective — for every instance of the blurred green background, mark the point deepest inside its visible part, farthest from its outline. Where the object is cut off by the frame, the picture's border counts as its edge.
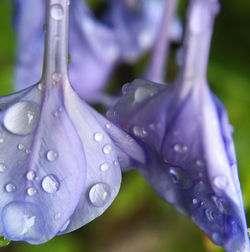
(138, 221)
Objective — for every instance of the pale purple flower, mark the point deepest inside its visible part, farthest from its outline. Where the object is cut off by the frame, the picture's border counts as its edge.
(191, 160)
(59, 166)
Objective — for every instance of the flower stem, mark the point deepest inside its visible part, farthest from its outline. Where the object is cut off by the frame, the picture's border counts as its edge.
(200, 20)
(56, 41)
(158, 62)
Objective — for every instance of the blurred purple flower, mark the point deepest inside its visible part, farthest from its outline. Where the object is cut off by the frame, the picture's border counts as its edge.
(95, 47)
(58, 165)
(185, 129)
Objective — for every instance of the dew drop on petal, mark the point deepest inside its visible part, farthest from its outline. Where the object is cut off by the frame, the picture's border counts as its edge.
(40, 86)
(180, 148)
(199, 163)
(2, 167)
(104, 167)
(108, 126)
(30, 175)
(220, 182)
(139, 132)
(142, 93)
(27, 151)
(10, 187)
(31, 191)
(99, 194)
(21, 118)
(56, 12)
(107, 149)
(56, 77)
(52, 155)
(98, 137)
(58, 216)
(195, 201)
(20, 147)
(50, 184)
(1, 140)
(116, 163)
(179, 177)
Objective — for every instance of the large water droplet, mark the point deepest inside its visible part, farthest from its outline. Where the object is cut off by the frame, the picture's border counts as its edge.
(31, 191)
(2, 167)
(21, 118)
(56, 12)
(30, 175)
(181, 148)
(22, 221)
(99, 194)
(104, 167)
(221, 182)
(179, 177)
(10, 187)
(50, 184)
(139, 131)
(142, 93)
(98, 137)
(107, 149)
(4, 241)
(52, 155)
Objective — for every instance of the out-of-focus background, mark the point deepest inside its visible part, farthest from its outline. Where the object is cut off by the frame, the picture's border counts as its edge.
(139, 221)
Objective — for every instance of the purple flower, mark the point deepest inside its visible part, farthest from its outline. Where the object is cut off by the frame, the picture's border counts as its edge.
(58, 165)
(191, 160)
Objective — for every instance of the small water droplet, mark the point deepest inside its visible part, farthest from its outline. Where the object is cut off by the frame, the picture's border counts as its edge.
(179, 177)
(10, 187)
(21, 118)
(108, 125)
(139, 132)
(99, 194)
(52, 155)
(4, 241)
(65, 226)
(181, 148)
(107, 149)
(195, 201)
(2, 167)
(27, 151)
(98, 137)
(199, 163)
(104, 167)
(40, 86)
(221, 181)
(30, 175)
(20, 147)
(56, 11)
(50, 184)
(57, 216)
(31, 191)
(116, 163)
(1, 140)
(56, 77)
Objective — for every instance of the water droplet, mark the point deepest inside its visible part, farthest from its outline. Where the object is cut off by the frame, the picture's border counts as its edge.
(116, 163)
(209, 214)
(27, 151)
(99, 194)
(65, 226)
(1, 140)
(50, 184)
(195, 201)
(139, 132)
(56, 114)
(40, 87)
(57, 216)
(56, 11)
(30, 175)
(98, 137)
(199, 163)
(52, 155)
(56, 77)
(31, 191)
(107, 149)
(4, 241)
(20, 147)
(21, 118)
(142, 93)
(180, 148)
(2, 167)
(110, 114)
(104, 167)
(220, 182)
(179, 177)
(108, 125)
(10, 187)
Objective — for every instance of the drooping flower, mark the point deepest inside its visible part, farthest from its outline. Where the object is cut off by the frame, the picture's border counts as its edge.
(100, 44)
(59, 166)
(184, 127)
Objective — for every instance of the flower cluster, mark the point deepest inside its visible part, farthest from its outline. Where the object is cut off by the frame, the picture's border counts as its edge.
(61, 160)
